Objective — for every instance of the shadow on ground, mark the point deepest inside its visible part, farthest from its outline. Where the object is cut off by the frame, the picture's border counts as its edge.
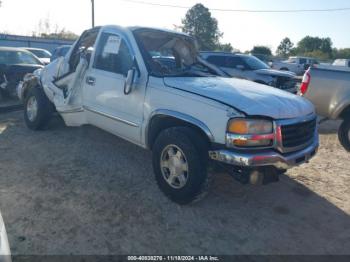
(83, 191)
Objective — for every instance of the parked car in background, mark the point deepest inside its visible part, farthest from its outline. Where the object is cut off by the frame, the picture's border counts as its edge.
(251, 68)
(342, 62)
(5, 253)
(14, 64)
(296, 64)
(328, 88)
(60, 51)
(187, 114)
(43, 55)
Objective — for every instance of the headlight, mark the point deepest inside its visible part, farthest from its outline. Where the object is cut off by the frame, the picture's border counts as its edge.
(249, 133)
(250, 126)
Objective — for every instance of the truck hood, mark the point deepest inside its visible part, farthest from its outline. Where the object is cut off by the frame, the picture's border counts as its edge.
(272, 72)
(246, 96)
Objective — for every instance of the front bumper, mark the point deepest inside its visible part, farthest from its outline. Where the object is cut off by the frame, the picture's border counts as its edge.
(266, 157)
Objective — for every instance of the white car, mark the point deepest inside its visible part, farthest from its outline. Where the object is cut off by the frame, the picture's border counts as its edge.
(5, 253)
(151, 87)
(296, 64)
(43, 55)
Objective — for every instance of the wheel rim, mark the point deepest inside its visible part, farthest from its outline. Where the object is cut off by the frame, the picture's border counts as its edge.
(32, 108)
(174, 166)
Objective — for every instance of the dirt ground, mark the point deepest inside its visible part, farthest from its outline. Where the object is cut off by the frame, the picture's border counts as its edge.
(83, 191)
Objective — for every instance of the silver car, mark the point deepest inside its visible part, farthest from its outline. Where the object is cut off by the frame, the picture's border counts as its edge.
(251, 68)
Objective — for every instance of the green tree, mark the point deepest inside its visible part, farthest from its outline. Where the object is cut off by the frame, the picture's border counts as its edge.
(224, 47)
(284, 47)
(199, 23)
(341, 53)
(311, 44)
(261, 50)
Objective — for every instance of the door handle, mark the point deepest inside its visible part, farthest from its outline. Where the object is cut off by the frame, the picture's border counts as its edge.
(90, 80)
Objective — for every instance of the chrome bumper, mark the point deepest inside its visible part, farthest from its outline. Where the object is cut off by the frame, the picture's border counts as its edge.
(266, 157)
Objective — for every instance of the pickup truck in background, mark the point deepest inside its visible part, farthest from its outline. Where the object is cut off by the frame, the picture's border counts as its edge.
(251, 68)
(295, 64)
(328, 88)
(151, 87)
(342, 62)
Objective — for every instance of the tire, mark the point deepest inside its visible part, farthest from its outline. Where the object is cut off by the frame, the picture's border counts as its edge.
(344, 134)
(193, 152)
(39, 118)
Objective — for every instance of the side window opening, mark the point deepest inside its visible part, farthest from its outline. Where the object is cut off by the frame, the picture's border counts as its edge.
(84, 47)
(302, 61)
(217, 60)
(113, 55)
(234, 61)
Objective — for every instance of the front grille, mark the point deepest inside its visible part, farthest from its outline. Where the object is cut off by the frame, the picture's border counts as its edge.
(285, 83)
(295, 135)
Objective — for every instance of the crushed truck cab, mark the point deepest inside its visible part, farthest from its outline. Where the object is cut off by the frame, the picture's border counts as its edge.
(150, 87)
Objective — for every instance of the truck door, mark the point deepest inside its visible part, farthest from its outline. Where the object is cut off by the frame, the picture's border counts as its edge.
(104, 100)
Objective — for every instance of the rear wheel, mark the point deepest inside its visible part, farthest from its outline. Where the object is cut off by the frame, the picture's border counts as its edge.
(37, 109)
(344, 134)
(180, 164)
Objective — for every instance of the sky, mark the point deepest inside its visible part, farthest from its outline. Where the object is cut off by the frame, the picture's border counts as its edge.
(242, 30)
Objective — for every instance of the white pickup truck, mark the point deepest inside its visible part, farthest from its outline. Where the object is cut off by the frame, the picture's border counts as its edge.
(150, 87)
(295, 64)
(5, 253)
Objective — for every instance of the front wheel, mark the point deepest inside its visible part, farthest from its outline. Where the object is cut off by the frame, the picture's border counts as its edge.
(180, 164)
(344, 134)
(37, 109)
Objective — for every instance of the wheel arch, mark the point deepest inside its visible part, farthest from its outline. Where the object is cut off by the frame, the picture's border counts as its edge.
(163, 119)
(345, 113)
(30, 81)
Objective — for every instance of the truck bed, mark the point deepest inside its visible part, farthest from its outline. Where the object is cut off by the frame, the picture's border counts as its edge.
(329, 89)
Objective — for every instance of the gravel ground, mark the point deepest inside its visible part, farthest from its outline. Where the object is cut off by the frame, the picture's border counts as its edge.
(83, 191)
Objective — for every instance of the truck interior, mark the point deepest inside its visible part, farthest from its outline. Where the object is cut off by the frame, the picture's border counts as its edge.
(170, 54)
(78, 62)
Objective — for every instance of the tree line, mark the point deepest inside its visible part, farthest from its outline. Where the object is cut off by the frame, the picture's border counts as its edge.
(198, 22)
(321, 48)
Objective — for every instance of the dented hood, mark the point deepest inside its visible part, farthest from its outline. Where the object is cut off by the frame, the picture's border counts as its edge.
(246, 96)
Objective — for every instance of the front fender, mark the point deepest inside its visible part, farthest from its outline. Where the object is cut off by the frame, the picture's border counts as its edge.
(339, 109)
(180, 116)
(30, 80)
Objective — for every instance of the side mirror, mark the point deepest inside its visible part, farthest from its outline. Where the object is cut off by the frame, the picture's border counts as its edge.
(130, 80)
(240, 67)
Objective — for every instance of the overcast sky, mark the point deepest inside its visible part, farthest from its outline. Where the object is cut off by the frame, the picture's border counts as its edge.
(242, 30)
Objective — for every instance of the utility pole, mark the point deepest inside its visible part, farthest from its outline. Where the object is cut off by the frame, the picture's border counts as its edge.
(93, 12)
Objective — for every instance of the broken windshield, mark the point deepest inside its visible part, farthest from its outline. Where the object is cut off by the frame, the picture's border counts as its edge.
(171, 54)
